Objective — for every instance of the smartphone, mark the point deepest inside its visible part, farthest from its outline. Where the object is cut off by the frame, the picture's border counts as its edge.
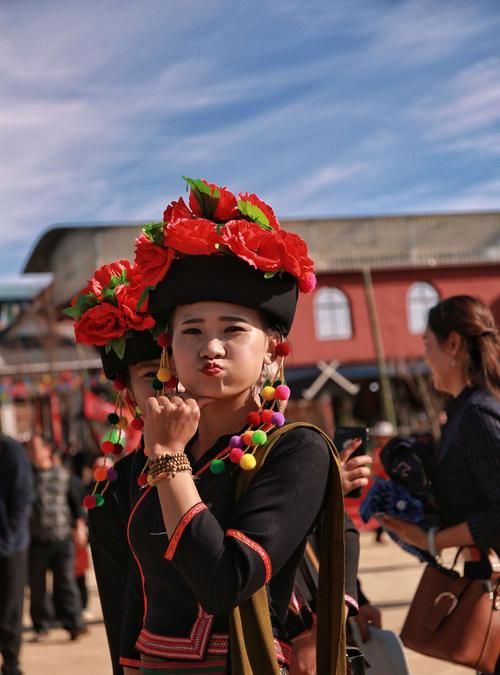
(342, 436)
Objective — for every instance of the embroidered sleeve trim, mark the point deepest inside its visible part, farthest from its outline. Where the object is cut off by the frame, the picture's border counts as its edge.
(351, 601)
(255, 547)
(181, 526)
(133, 663)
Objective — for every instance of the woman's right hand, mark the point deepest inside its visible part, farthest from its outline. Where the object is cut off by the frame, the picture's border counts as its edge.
(169, 424)
(355, 471)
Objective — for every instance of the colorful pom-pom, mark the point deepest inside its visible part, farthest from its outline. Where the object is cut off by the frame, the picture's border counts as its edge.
(142, 479)
(113, 435)
(266, 416)
(112, 474)
(99, 499)
(307, 283)
(278, 419)
(113, 418)
(163, 375)
(157, 385)
(282, 392)
(100, 474)
(122, 423)
(137, 424)
(163, 340)
(259, 437)
(119, 384)
(117, 449)
(267, 393)
(235, 455)
(89, 502)
(217, 466)
(253, 418)
(247, 462)
(283, 349)
(247, 438)
(172, 383)
(107, 447)
(236, 442)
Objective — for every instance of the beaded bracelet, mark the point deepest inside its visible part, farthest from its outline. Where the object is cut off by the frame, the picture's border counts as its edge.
(167, 466)
(153, 480)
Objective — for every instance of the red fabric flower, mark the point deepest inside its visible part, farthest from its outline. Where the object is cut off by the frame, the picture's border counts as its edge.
(102, 278)
(151, 260)
(176, 211)
(127, 296)
(192, 237)
(259, 248)
(220, 209)
(296, 260)
(100, 324)
(265, 208)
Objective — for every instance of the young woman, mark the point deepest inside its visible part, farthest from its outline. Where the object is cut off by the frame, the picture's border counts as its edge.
(462, 349)
(224, 278)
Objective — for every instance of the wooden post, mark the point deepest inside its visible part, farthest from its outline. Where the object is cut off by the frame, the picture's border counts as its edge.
(385, 384)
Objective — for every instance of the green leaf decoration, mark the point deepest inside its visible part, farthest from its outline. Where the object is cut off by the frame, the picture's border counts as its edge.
(206, 197)
(108, 295)
(118, 345)
(255, 214)
(269, 275)
(154, 232)
(144, 297)
(82, 304)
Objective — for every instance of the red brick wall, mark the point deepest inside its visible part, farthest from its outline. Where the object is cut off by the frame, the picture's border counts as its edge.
(390, 289)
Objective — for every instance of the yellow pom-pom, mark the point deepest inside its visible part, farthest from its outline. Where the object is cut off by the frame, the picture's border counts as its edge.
(247, 462)
(122, 423)
(164, 375)
(267, 393)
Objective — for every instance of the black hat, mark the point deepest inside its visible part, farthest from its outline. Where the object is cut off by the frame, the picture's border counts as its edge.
(140, 346)
(226, 278)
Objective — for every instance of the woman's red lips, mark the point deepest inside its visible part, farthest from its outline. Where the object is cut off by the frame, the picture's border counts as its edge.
(211, 369)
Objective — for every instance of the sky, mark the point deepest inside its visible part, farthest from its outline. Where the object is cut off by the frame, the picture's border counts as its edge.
(321, 108)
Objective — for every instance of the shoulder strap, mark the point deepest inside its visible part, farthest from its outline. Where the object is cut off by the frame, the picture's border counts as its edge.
(251, 637)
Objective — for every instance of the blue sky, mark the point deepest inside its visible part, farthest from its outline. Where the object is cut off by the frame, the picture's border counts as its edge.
(323, 108)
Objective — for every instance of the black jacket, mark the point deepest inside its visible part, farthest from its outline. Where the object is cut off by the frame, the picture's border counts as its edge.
(16, 497)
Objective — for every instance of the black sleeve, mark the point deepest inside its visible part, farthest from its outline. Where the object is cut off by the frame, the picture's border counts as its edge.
(75, 498)
(482, 447)
(269, 523)
(112, 560)
(17, 466)
(351, 535)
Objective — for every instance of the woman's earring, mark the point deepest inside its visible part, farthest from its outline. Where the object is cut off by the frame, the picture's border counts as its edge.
(164, 379)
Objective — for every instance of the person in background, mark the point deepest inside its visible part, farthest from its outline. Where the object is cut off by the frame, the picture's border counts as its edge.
(57, 520)
(381, 433)
(16, 496)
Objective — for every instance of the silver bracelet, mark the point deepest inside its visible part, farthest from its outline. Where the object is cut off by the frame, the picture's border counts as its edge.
(431, 541)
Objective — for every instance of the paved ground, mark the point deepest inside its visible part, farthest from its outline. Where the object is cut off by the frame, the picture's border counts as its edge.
(389, 578)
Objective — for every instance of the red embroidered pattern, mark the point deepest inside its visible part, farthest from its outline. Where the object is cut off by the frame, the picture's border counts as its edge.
(284, 652)
(209, 665)
(143, 582)
(129, 662)
(181, 526)
(192, 648)
(256, 547)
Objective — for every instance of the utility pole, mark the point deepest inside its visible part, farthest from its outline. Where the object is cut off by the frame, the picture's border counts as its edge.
(385, 384)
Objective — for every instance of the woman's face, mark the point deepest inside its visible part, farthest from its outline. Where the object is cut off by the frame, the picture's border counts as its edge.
(140, 379)
(219, 348)
(439, 357)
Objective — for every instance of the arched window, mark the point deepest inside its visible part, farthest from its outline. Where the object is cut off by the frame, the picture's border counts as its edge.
(421, 297)
(332, 315)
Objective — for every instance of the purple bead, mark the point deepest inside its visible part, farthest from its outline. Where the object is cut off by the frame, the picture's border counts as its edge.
(112, 474)
(278, 419)
(236, 442)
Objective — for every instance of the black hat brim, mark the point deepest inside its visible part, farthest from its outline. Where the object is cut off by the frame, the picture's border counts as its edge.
(225, 278)
(140, 346)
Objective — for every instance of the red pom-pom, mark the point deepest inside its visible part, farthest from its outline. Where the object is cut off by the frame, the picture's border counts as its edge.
(253, 419)
(100, 474)
(266, 416)
(89, 502)
(137, 424)
(163, 339)
(283, 349)
(117, 449)
(107, 447)
(119, 384)
(307, 283)
(235, 455)
(172, 383)
(247, 438)
(142, 479)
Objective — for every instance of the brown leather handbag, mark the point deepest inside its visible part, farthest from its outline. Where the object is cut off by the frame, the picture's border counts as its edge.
(455, 618)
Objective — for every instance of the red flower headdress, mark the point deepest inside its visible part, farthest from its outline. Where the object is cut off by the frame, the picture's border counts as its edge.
(216, 223)
(106, 310)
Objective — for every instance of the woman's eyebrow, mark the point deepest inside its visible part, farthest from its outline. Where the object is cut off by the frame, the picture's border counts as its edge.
(233, 318)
